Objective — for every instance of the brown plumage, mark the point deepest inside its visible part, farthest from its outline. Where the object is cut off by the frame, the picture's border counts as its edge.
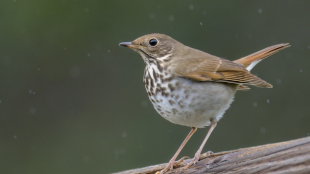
(190, 87)
(262, 54)
(206, 67)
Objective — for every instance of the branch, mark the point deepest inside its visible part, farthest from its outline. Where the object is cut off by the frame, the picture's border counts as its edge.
(285, 157)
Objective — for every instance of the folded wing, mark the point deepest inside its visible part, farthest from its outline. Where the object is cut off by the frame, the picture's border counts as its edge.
(212, 68)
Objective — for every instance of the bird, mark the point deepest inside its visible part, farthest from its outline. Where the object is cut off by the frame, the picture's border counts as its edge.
(192, 88)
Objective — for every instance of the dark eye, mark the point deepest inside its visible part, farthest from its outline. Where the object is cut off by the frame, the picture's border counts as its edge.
(153, 42)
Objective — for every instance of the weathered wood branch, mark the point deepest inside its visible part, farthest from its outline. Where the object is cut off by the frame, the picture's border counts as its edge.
(285, 157)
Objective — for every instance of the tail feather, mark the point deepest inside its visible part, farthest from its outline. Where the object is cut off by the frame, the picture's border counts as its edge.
(243, 88)
(251, 60)
(245, 78)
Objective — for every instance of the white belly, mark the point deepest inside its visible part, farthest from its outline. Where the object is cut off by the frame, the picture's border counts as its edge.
(194, 104)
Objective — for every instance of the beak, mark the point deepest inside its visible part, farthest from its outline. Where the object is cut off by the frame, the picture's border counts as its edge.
(130, 45)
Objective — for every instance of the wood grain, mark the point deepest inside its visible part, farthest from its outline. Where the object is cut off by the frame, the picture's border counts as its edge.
(278, 158)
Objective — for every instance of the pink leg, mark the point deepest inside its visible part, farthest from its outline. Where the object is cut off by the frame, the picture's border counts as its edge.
(197, 155)
(172, 161)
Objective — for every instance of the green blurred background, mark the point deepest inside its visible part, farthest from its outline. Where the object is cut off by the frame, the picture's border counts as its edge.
(73, 101)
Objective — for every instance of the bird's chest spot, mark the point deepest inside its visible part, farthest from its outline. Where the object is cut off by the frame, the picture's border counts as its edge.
(167, 97)
(160, 86)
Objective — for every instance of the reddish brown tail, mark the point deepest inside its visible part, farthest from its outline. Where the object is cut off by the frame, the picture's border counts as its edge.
(251, 60)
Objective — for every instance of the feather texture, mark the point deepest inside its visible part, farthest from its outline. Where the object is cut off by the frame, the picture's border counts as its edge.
(201, 66)
(251, 60)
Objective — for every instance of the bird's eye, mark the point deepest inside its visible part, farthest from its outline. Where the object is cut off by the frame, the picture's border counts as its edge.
(153, 42)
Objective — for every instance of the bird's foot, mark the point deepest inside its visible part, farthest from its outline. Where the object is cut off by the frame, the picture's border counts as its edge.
(171, 164)
(180, 160)
(204, 155)
(195, 160)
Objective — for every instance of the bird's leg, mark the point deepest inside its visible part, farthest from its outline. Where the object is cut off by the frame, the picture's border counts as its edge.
(172, 161)
(197, 155)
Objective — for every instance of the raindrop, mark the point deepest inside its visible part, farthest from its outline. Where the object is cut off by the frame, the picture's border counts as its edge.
(200, 23)
(279, 81)
(86, 10)
(152, 15)
(171, 18)
(109, 51)
(309, 47)
(300, 70)
(30, 91)
(260, 11)
(204, 12)
(85, 159)
(124, 134)
(144, 103)
(75, 71)
(88, 54)
(268, 101)
(191, 7)
(254, 104)
(39, 69)
(15, 136)
(32, 110)
(262, 130)
(33, 93)
(0, 101)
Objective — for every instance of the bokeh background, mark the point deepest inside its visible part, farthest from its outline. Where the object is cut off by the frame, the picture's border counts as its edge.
(73, 101)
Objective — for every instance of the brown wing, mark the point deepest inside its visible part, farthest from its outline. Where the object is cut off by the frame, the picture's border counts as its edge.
(212, 68)
(239, 77)
(236, 73)
(199, 69)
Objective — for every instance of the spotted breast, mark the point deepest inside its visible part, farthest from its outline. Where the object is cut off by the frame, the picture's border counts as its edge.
(183, 101)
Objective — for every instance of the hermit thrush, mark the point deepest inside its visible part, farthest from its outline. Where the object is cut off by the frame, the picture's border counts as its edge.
(192, 88)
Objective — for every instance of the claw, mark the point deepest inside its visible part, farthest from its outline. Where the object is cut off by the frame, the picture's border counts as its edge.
(180, 160)
(172, 164)
(195, 160)
(202, 156)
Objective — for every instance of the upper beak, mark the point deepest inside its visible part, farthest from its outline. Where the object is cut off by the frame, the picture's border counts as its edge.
(129, 45)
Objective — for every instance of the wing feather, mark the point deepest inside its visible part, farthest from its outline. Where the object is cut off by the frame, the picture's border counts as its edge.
(206, 67)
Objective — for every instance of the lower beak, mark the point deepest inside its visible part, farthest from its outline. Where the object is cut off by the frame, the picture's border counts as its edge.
(129, 45)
